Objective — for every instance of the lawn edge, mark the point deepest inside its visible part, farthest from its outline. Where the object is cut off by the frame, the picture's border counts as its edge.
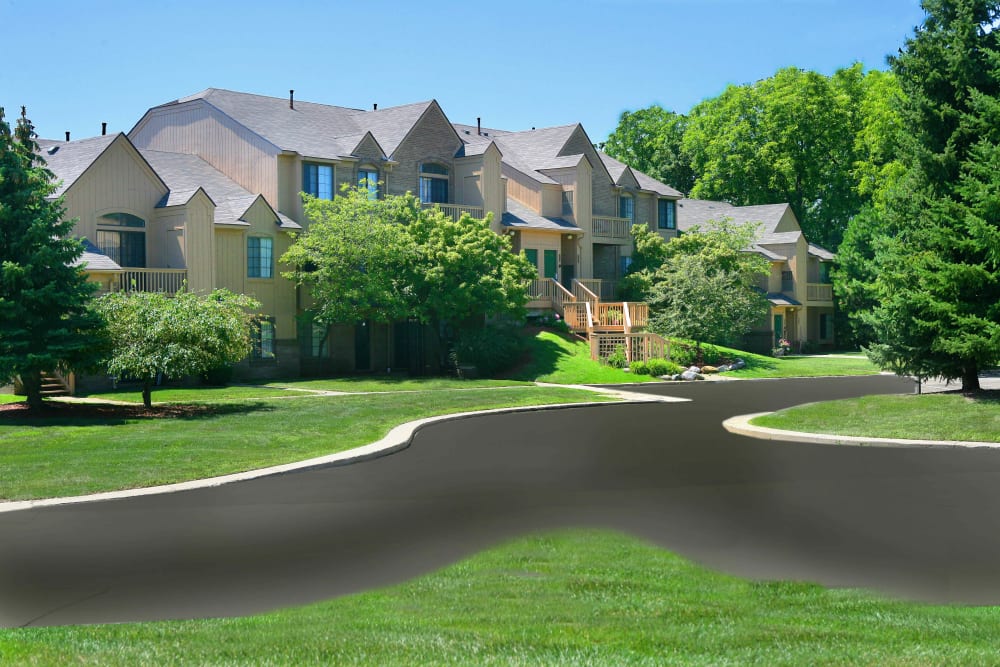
(740, 425)
(398, 438)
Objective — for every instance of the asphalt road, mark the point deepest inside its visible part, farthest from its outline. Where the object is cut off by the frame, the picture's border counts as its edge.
(920, 524)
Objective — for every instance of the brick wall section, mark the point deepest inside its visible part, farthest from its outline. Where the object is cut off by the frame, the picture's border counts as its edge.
(431, 140)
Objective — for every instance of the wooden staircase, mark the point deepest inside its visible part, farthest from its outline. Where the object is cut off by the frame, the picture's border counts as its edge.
(606, 324)
(54, 384)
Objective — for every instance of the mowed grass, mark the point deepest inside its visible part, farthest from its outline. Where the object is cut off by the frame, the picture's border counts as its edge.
(571, 598)
(393, 383)
(130, 394)
(59, 457)
(925, 417)
(10, 398)
(760, 366)
(562, 359)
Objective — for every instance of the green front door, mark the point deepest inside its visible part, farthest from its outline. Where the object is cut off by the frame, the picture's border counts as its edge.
(551, 257)
(532, 256)
(779, 327)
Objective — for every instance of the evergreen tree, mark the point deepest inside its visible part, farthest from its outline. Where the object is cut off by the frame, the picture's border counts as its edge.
(934, 279)
(45, 320)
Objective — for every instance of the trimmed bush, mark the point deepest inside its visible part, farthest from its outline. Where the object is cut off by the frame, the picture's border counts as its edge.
(491, 350)
(658, 367)
(639, 367)
(617, 358)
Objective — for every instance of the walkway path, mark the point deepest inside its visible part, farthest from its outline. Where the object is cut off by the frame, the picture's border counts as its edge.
(912, 522)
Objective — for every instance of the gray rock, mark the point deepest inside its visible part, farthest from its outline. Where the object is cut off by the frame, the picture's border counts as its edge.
(738, 364)
(723, 368)
(694, 369)
(692, 375)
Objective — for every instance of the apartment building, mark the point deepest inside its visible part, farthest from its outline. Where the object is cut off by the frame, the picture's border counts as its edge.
(205, 190)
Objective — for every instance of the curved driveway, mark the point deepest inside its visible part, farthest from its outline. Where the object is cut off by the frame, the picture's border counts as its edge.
(918, 523)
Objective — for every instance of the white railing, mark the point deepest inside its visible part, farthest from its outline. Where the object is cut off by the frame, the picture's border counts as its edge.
(169, 281)
(612, 228)
(819, 292)
(455, 211)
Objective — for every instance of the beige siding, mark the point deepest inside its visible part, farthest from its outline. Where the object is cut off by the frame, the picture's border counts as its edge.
(290, 187)
(584, 218)
(199, 129)
(230, 259)
(276, 295)
(551, 201)
(432, 139)
(166, 239)
(788, 223)
(494, 198)
(604, 197)
(119, 181)
(542, 241)
(522, 189)
(199, 240)
(468, 181)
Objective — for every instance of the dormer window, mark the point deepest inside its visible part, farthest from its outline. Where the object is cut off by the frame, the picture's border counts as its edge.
(433, 184)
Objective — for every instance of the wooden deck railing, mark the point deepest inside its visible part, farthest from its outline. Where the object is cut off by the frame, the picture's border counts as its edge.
(575, 314)
(609, 315)
(819, 292)
(169, 281)
(612, 228)
(638, 313)
(540, 289)
(455, 211)
(638, 346)
(583, 293)
(560, 296)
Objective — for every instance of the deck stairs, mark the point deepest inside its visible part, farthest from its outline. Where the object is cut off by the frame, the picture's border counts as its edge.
(605, 324)
(54, 384)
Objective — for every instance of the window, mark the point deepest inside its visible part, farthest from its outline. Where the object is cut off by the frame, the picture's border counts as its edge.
(126, 247)
(263, 339)
(787, 281)
(567, 202)
(260, 257)
(825, 326)
(626, 208)
(667, 218)
(368, 178)
(317, 180)
(624, 264)
(433, 184)
(824, 273)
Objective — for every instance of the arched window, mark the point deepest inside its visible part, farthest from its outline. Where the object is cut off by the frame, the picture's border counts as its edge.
(368, 178)
(122, 237)
(433, 184)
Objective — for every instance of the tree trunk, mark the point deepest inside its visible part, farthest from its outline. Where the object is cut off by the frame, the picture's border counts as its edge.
(32, 383)
(147, 392)
(970, 378)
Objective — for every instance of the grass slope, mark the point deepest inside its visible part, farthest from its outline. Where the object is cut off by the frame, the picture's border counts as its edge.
(926, 417)
(58, 457)
(573, 598)
(563, 359)
(759, 366)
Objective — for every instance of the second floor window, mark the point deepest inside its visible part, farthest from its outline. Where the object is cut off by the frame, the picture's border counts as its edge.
(667, 218)
(787, 281)
(626, 208)
(824, 273)
(122, 237)
(368, 179)
(260, 257)
(433, 184)
(317, 180)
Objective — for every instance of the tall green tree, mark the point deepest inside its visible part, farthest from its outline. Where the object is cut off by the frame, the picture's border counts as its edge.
(651, 140)
(46, 323)
(179, 335)
(934, 274)
(649, 250)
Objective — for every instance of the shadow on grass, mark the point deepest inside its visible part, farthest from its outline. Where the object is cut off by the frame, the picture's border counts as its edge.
(541, 357)
(96, 414)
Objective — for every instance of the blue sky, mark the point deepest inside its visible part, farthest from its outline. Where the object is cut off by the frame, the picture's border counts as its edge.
(516, 64)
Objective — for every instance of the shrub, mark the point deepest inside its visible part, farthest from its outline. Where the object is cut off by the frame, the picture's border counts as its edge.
(658, 367)
(617, 358)
(639, 368)
(219, 376)
(491, 349)
(683, 355)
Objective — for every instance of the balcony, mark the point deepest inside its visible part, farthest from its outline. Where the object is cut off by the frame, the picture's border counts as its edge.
(455, 211)
(606, 227)
(168, 281)
(819, 292)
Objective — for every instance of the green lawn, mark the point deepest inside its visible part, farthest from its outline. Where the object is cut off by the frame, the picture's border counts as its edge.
(10, 398)
(130, 394)
(566, 360)
(572, 598)
(393, 383)
(926, 417)
(759, 366)
(59, 457)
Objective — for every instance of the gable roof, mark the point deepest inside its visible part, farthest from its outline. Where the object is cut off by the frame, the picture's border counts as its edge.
(311, 129)
(93, 259)
(702, 212)
(519, 216)
(68, 160)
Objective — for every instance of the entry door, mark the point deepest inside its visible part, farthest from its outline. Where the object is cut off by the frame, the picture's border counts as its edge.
(568, 274)
(779, 327)
(363, 346)
(551, 259)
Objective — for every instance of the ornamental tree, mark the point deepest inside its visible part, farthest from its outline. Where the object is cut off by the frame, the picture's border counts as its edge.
(45, 320)
(179, 335)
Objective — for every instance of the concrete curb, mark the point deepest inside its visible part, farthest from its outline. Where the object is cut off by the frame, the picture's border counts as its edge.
(740, 425)
(397, 439)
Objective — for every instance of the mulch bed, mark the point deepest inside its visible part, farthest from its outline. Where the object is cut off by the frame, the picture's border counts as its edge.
(65, 410)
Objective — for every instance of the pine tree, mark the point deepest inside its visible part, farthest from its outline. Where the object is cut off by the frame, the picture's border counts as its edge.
(45, 320)
(935, 275)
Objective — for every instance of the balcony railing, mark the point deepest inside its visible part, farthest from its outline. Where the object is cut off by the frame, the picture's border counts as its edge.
(612, 228)
(455, 211)
(819, 292)
(150, 280)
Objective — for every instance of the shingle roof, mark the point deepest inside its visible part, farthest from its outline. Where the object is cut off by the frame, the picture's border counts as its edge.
(68, 160)
(779, 299)
(311, 129)
(95, 260)
(822, 253)
(184, 174)
(530, 151)
(519, 216)
(768, 254)
(650, 183)
(701, 212)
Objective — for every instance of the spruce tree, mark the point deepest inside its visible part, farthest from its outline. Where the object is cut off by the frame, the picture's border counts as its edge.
(45, 320)
(935, 278)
